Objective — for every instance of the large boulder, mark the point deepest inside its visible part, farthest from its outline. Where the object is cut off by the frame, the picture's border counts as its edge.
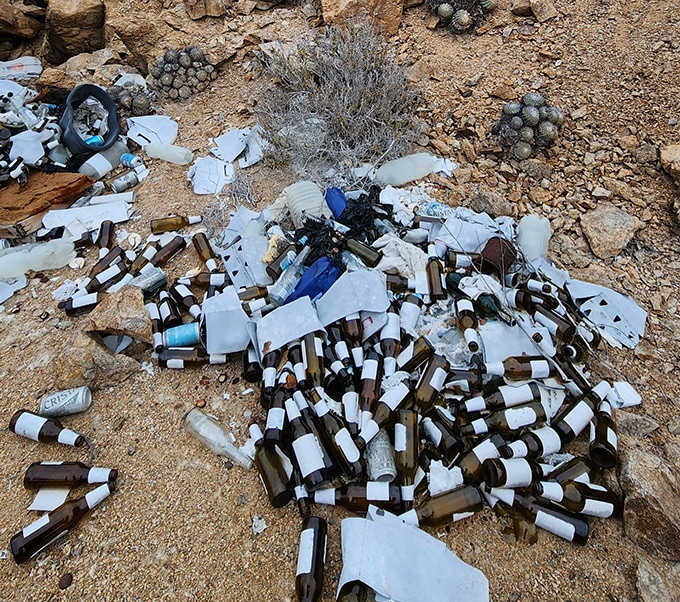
(16, 20)
(651, 515)
(146, 37)
(670, 160)
(74, 26)
(657, 580)
(198, 9)
(385, 13)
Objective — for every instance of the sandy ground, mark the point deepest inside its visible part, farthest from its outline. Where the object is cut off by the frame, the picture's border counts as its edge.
(179, 526)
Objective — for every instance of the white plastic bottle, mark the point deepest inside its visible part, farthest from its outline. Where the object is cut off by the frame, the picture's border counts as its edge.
(101, 163)
(169, 152)
(405, 169)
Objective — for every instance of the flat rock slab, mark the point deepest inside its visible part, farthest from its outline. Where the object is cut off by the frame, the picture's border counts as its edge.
(608, 230)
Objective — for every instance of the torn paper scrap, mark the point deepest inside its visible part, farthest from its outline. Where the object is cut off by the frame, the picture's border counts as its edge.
(209, 175)
(149, 129)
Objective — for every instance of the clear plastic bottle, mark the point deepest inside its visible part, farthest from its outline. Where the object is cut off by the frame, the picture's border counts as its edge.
(214, 436)
(169, 152)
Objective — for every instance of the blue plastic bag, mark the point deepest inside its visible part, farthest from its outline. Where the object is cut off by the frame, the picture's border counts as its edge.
(336, 201)
(318, 278)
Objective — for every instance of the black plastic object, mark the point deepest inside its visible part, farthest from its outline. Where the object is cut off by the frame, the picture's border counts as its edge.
(70, 137)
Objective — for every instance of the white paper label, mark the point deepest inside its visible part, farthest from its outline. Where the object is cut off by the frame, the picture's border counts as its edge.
(394, 396)
(324, 496)
(84, 300)
(552, 491)
(549, 439)
(486, 450)
(336, 366)
(175, 363)
(554, 525)
(275, 418)
(438, 378)
(308, 454)
(100, 164)
(269, 376)
(612, 439)
(464, 305)
(407, 492)
(519, 417)
(579, 417)
(152, 310)
(399, 437)
(164, 310)
(306, 552)
(519, 449)
(513, 396)
(540, 369)
(341, 350)
(377, 491)
(347, 445)
(432, 432)
(518, 473)
(318, 347)
(475, 404)
(391, 329)
(460, 516)
(350, 402)
(598, 508)
(408, 316)
(29, 425)
(34, 526)
(369, 370)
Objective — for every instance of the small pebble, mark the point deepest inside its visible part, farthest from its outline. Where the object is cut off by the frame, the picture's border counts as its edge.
(131, 450)
(66, 580)
(200, 403)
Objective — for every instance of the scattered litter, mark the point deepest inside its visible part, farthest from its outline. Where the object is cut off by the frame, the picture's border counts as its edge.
(247, 392)
(209, 175)
(259, 524)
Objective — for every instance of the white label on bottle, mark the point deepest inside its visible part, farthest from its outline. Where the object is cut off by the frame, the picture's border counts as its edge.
(394, 396)
(269, 376)
(555, 526)
(391, 329)
(68, 437)
(35, 525)
(612, 439)
(336, 366)
(157, 340)
(495, 368)
(306, 552)
(301, 492)
(518, 449)
(549, 439)
(377, 491)
(275, 418)
(598, 508)
(341, 350)
(513, 396)
(321, 408)
(460, 516)
(486, 450)
(347, 445)
(29, 425)
(407, 493)
(552, 491)
(350, 402)
(84, 300)
(432, 432)
(546, 322)
(98, 475)
(471, 338)
(519, 417)
(399, 437)
(217, 279)
(518, 473)
(539, 369)
(318, 346)
(479, 426)
(175, 363)
(370, 370)
(358, 356)
(438, 379)
(97, 495)
(475, 404)
(408, 316)
(369, 429)
(152, 310)
(308, 454)
(164, 310)
(100, 164)
(300, 374)
(109, 273)
(325, 496)
(579, 417)
(464, 305)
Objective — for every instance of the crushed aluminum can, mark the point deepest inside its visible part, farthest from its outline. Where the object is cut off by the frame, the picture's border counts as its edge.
(66, 402)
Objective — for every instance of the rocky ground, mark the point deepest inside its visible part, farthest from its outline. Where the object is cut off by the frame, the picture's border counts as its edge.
(179, 525)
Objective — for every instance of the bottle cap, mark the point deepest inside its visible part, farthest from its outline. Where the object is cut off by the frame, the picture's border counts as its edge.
(255, 432)
(69, 437)
(194, 219)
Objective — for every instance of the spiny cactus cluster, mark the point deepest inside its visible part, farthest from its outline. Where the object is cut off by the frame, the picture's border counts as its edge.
(461, 15)
(132, 100)
(179, 74)
(528, 125)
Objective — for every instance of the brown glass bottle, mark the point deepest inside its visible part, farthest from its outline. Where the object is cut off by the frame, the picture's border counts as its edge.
(513, 473)
(274, 479)
(59, 474)
(105, 237)
(46, 430)
(466, 319)
(168, 310)
(359, 496)
(168, 251)
(144, 257)
(371, 378)
(506, 420)
(204, 280)
(406, 443)
(435, 275)
(441, 434)
(534, 444)
(82, 303)
(471, 461)
(507, 396)
(37, 536)
(431, 382)
(393, 399)
(335, 338)
(353, 334)
(306, 449)
(204, 250)
(172, 223)
(370, 256)
(114, 255)
(444, 508)
(185, 299)
(390, 337)
(603, 448)
(522, 367)
(582, 498)
(572, 419)
(156, 325)
(312, 348)
(311, 560)
(414, 354)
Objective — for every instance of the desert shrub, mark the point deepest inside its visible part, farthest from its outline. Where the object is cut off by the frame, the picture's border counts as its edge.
(338, 98)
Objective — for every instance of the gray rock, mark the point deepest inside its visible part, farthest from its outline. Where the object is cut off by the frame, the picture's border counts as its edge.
(646, 153)
(121, 313)
(657, 580)
(198, 9)
(74, 27)
(635, 425)
(543, 10)
(521, 8)
(674, 427)
(385, 13)
(651, 515)
(492, 203)
(536, 169)
(15, 22)
(608, 230)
